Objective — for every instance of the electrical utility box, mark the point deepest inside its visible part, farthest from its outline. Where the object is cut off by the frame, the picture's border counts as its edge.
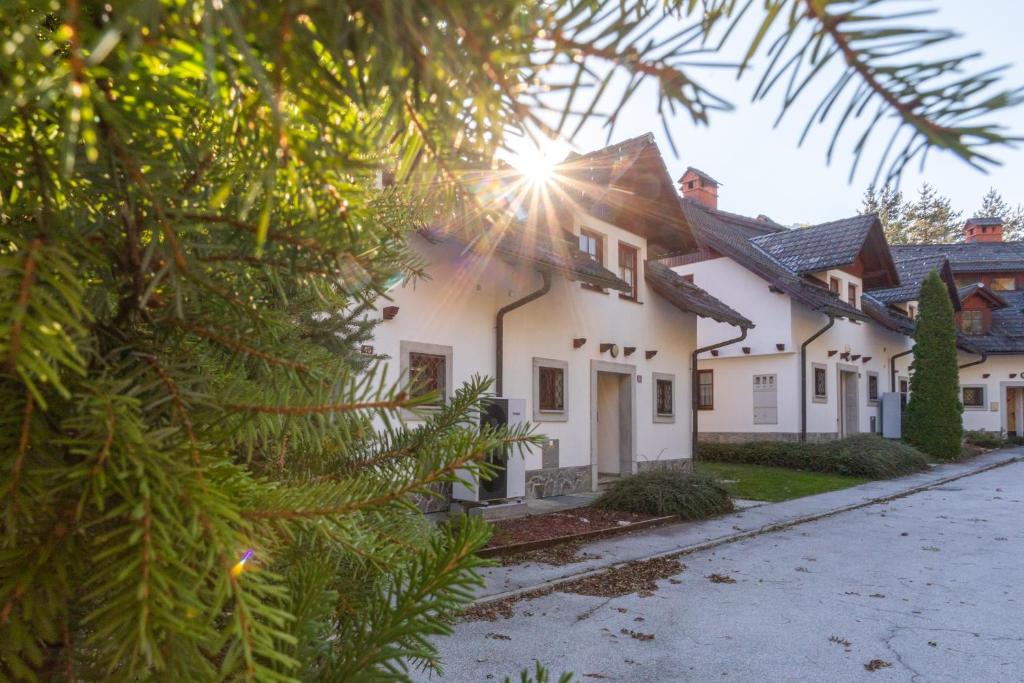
(510, 479)
(892, 415)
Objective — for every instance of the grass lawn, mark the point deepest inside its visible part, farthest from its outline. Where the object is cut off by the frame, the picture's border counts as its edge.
(773, 484)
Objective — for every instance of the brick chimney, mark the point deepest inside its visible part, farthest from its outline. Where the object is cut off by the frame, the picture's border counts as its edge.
(988, 229)
(700, 187)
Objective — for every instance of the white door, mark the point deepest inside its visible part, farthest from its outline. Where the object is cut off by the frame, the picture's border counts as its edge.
(848, 409)
(609, 436)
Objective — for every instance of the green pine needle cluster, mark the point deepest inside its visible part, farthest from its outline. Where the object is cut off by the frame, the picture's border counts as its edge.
(934, 416)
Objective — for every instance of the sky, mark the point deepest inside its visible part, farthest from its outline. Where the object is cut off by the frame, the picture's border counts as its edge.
(762, 169)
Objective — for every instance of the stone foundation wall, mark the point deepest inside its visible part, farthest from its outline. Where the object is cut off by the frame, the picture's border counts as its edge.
(676, 465)
(435, 503)
(557, 481)
(742, 437)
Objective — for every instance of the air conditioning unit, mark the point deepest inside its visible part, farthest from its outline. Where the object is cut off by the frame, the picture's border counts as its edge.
(510, 479)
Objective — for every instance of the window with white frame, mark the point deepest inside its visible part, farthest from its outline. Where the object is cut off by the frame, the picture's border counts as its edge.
(872, 388)
(819, 382)
(550, 390)
(664, 387)
(973, 397)
(428, 368)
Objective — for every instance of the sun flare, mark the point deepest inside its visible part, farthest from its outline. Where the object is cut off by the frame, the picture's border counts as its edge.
(537, 164)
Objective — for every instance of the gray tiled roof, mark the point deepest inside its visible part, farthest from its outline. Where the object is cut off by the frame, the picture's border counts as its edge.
(885, 316)
(968, 290)
(985, 220)
(727, 235)
(912, 272)
(689, 297)
(970, 257)
(819, 247)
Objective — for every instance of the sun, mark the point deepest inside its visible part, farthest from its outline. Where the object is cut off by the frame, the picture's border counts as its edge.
(537, 164)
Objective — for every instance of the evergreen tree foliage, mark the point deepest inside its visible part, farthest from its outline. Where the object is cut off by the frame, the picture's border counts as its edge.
(192, 232)
(931, 219)
(888, 204)
(934, 421)
(993, 204)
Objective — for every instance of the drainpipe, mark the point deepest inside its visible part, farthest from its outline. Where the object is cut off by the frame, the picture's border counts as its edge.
(892, 367)
(695, 386)
(803, 374)
(499, 342)
(984, 357)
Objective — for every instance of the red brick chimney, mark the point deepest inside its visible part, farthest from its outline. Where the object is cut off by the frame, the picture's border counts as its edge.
(700, 187)
(989, 229)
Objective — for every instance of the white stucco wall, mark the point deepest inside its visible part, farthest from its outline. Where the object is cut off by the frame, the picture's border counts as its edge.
(780, 321)
(992, 417)
(457, 308)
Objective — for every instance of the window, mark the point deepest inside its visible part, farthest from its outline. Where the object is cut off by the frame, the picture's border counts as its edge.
(766, 400)
(592, 244)
(706, 389)
(833, 284)
(428, 368)
(627, 269)
(904, 391)
(973, 398)
(851, 294)
(1003, 284)
(427, 376)
(664, 387)
(550, 390)
(820, 373)
(972, 322)
(912, 311)
(872, 388)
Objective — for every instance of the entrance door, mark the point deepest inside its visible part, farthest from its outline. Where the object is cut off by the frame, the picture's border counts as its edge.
(1014, 410)
(609, 423)
(849, 422)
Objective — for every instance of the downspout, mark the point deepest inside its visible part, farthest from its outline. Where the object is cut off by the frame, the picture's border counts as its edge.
(803, 374)
(984, 357)
(499, 342)
(695, 387)
(892, 367)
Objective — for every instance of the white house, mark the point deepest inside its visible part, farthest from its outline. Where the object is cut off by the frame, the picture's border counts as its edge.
(817, 361)
(567, 312)
(989, 275)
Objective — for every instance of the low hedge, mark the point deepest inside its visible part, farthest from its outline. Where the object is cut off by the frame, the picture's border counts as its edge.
(863, 455)
(691, 496)
(985, 439)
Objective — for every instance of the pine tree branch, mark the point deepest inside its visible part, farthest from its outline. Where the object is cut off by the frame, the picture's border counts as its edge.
(28, 279)
(401, 401)
(236, 345)
(179, 405)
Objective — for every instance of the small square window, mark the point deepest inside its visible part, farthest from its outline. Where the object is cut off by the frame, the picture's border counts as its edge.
(833, 284)
(973, 397)
(851, 294)
(972, 322)
(427, 373)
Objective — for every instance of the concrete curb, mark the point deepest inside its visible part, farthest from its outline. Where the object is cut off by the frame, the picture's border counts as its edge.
(609, 532)
(548, 586)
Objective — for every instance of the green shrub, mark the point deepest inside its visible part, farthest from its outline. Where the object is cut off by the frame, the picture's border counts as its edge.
(863, 455)
(985, 439)
(691, 496)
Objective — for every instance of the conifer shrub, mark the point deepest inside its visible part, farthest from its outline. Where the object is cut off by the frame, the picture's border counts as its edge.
(666, 492)
(980, 437)
(862, 455)
(934, 416)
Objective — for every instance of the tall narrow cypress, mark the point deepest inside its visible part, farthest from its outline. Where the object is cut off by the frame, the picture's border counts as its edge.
(934, 421)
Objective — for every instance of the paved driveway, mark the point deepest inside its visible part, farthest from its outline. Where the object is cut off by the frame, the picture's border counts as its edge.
(929, 587)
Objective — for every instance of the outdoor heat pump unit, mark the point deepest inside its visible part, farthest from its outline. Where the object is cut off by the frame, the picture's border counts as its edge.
(892, 415)
(510, 479)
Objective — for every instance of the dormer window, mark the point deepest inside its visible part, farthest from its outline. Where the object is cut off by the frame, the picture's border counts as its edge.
(592, 244)
(972, 322)
(912, 312)
(833, 284)
(851, 294)
(1002, 284)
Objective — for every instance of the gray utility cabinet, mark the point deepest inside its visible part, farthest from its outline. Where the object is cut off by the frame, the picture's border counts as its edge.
(766, 400)
(892, 415)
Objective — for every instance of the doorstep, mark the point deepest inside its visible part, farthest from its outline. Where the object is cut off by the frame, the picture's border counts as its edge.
(686, 537)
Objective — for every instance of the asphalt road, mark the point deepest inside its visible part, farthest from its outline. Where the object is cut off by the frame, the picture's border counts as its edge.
(924, 588)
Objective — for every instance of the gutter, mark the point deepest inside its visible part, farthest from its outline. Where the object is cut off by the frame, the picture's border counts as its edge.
(803, 374)
(984, 357)
(694, 386)
(499, 341)
(892, 367)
